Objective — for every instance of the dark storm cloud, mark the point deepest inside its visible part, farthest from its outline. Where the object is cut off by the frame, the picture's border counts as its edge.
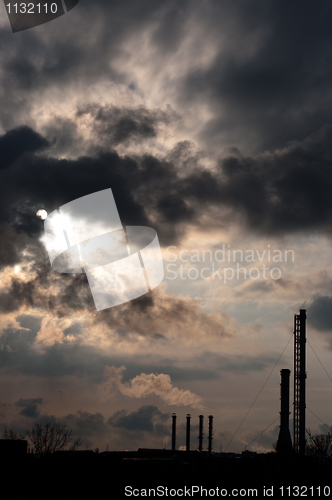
(18, 353)
(319, 313)
(83, 48)
(159, 312)
(267, 81)
(120, 125)
(16, 142)
(146, 418)
(49, 291)
(271, 194)
(277, 193)
(278, 90)
(50, 183)
(29, 407)
(84, 423)
(13, 244)
(270, 83)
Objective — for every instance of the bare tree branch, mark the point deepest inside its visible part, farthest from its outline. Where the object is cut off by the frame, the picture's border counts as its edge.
(49, 438)
(320, 446)
(10, 434)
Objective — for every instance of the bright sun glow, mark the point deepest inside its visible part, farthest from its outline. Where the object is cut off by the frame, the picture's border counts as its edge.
(42, 214)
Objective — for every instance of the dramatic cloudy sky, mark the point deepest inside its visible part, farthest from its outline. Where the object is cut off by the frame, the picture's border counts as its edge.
(211, 121)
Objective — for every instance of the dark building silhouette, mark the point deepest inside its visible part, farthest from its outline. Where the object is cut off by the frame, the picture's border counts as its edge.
(200, 435)
(173, 431)
(299, 381)
(13, 448)
(210, 433)
(284, 443)
(188, 433)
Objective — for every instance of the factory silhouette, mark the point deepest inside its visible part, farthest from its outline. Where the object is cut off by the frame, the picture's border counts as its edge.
(86, 474)
(284, 443)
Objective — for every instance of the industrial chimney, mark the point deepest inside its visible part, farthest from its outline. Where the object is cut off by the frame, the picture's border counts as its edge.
(173, 431)
(200, 436)
(299, 381)
(210, 433)
(284, 443)
(188, 433)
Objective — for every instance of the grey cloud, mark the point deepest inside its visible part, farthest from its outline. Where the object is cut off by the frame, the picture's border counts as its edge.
(270, 194)
(13, 244)
(121, 125)
(237, 363)
(260, 287)
(319, 313)
(157, 312)
(25, 190)
(270, 83)
(63, 136)
(84, 423)
(86, 426)
(273, 194)
(267, 85)
(64, 295)
(324, 428)
(18, 353)
(30, 407)
(145, 419)
(72, 51)
(164, 365)
(18, 141)
(30, 322)
(69, 293)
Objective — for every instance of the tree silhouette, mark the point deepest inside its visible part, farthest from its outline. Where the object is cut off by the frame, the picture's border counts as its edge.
(48, 438)
(10, 434)
(320, 447)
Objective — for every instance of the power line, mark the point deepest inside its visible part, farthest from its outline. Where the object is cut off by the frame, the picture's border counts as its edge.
(274, 421)
(259, 393)
(247, 445)
(319, 418)
(319, 361)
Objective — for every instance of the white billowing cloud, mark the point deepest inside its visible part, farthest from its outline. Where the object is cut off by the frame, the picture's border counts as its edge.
(150, 383)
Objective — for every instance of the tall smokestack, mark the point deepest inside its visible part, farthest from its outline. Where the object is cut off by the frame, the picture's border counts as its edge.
(210, 433)
(284, 443)
(173, 431)
(299, 381)
(200, 436)
(188, 433)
